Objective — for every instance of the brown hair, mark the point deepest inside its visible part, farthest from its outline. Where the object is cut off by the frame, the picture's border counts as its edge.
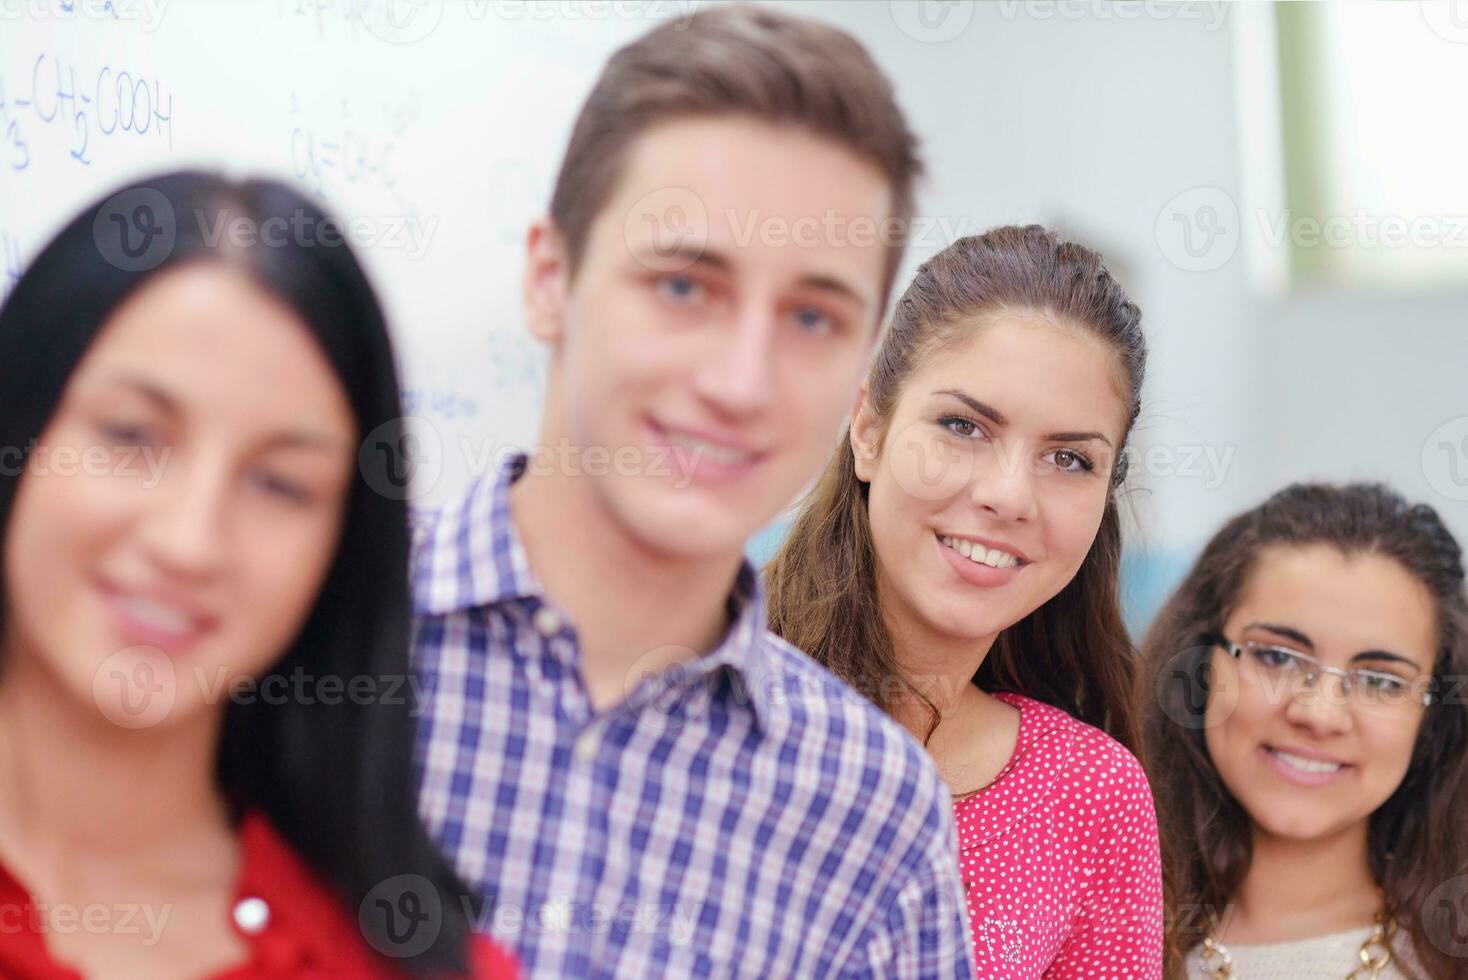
(1073, 652)
(1417, 839)
(736, 60)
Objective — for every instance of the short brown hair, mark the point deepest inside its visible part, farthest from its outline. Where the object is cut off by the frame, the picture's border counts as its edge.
(736, 60)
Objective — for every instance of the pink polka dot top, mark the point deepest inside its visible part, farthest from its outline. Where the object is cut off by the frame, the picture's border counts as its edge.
(1060, 858)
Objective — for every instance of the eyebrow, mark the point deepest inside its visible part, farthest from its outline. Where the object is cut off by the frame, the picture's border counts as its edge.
(997, 417)
(1295, 635)
(283, 440)
(684, 256)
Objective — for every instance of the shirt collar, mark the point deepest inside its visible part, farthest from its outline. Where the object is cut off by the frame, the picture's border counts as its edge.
(469, 555)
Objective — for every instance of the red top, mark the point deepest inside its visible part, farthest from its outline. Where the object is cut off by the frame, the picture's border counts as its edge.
(1060, 859)
(294, 927)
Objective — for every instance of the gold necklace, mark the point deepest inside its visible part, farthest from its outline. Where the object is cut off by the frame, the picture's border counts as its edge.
(1375, 953)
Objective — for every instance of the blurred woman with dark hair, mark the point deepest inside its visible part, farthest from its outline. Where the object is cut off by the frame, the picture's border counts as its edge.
(205, 751)
(1307, 738)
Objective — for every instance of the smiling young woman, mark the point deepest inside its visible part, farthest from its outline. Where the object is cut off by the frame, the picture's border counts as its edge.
(957, 563)
(187, 535)
(1309, 745)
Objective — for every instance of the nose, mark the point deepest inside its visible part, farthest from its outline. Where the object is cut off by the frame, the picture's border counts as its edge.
(736, 378)
(184, 528)
(1320, 705)
(1003, 485)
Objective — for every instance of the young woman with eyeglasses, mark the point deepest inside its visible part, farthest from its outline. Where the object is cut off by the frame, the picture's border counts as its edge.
(1307, 743)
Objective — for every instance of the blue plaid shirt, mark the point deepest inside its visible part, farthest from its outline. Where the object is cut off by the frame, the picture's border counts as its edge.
(742, 815)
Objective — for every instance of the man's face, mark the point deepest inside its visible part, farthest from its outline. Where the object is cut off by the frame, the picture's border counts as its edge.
(707, 350)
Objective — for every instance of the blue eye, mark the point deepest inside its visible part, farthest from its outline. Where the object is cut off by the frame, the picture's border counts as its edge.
(679, 289)
(813, 321)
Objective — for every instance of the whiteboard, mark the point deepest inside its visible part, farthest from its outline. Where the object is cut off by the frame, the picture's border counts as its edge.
(432, 128)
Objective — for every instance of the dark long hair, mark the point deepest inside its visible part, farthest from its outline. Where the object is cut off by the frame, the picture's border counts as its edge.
(336, 781)
(1073, 652)
(1418, 838)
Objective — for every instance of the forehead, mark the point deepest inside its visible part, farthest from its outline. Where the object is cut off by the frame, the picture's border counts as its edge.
(1040, 374)
(768, 194)
(220, 345)
(1344, 603)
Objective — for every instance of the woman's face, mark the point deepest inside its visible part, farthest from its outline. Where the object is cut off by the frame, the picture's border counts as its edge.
(182, 506)
(993, 475)
(1304, 760)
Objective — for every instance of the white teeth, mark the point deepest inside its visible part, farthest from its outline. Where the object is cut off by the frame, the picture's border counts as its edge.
(157, 615)
(992, 557)
(1305, 765)
(719, 454)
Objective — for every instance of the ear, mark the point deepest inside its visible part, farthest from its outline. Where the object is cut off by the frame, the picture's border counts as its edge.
(864, 436)
(547, 281)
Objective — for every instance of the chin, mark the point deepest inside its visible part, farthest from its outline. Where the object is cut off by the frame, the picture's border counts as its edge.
(686, 528)
(1299, 823)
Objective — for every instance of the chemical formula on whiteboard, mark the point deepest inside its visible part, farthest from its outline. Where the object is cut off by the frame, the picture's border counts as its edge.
(61, 107)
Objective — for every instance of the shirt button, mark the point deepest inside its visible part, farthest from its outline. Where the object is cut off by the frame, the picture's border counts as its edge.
(586, 745)
(252, 915)
(547, 623)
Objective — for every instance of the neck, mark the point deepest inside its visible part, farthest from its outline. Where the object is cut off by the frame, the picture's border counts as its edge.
(73, 785)
(940, 666)
(636, 611)
(1296, 889)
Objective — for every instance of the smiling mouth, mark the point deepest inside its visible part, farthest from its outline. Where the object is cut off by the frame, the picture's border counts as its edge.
(1315, 767)
(977, 553)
